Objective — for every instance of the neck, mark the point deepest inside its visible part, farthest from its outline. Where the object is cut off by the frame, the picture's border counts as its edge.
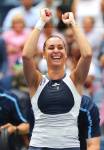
(56, 74)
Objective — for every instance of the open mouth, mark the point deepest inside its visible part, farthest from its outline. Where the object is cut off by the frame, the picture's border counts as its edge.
(56, 58)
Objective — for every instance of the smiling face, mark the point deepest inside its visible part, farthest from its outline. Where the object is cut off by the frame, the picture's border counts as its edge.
(55, 52)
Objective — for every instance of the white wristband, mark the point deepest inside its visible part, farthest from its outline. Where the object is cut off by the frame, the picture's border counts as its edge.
(40, 24)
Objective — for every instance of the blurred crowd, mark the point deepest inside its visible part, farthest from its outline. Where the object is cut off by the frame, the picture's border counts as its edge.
(20, 20)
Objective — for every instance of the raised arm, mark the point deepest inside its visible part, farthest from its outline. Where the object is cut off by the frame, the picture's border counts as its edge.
(74, 6)
(32, 75)
(80, 72)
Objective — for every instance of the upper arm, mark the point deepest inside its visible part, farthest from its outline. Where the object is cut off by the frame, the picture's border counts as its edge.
(32, 75)
(80, 73)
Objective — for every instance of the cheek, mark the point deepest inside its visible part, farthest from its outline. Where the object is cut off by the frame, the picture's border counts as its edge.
(65, 55)
(46, 55)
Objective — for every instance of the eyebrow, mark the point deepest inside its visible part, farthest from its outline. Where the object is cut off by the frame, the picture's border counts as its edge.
(60, 44)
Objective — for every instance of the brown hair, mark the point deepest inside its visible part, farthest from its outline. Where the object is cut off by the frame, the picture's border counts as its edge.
(52, 36)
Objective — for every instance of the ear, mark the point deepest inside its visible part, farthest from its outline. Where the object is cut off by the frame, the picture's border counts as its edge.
(44, 55)
(66, 56)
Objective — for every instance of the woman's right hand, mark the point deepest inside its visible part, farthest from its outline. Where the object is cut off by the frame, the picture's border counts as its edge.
(45, 15)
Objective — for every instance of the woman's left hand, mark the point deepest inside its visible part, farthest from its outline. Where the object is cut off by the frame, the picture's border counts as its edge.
(68, 18)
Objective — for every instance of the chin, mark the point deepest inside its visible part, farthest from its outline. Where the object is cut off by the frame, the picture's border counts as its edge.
(57, 64)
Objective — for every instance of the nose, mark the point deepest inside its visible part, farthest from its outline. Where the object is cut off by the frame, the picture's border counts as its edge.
(55, 49)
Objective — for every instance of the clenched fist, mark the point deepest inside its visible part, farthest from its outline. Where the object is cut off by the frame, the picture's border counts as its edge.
(68, 18)
(45, 14)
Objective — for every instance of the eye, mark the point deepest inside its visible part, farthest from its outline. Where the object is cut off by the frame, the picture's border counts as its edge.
(60, 47)
(51, 47)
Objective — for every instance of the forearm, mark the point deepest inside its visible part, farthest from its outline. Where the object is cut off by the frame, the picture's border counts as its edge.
(74, 6)
(31, 44)
(23, 128)
(84, 46)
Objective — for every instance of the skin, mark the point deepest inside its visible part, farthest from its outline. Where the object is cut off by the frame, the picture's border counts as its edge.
(23, 128)
(55, 54)
(92, 143)
(56, 67)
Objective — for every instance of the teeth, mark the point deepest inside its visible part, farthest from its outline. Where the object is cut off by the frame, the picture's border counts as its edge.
(56, 57)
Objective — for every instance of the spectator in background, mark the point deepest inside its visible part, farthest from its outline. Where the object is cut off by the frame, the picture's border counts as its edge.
(71, 4)
(99, 81)
(102, 10)
(5, 80)
(11, 117)
(27, 10)
(15, 39)
(52, 5)
(102, 114)
(102, 123)
(3, 58)
(100, 19)
(93, 34)
(89, 129)
(84, 8)
(59, 11)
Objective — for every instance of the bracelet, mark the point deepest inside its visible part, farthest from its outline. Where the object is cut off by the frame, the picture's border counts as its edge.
(40, 24)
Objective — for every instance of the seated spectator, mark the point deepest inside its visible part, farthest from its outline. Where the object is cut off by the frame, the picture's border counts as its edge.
(84, 8)
(5, 79)
(26, 10)
(3, 58)
(89, 125)
(93, 34)
(15, 39)
(11, 117)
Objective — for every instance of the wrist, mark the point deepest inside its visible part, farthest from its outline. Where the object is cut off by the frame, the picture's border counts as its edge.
(40, 24)
(73, 24)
